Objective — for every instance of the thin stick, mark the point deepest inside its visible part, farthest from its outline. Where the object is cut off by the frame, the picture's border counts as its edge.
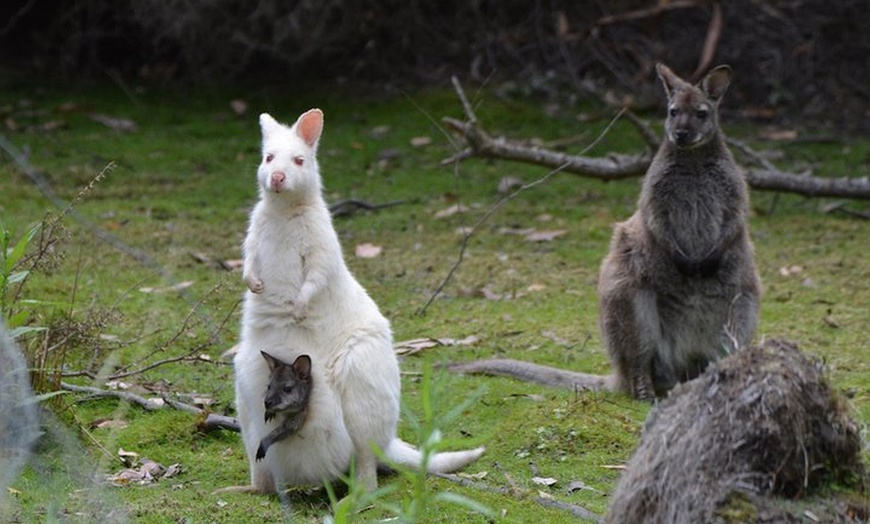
(504, 200)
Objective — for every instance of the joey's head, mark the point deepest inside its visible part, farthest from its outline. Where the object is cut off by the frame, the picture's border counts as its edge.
(692, 109)
(289, 163)
(289, 385)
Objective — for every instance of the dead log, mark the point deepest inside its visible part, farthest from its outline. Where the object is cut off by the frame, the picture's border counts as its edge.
(614, 166)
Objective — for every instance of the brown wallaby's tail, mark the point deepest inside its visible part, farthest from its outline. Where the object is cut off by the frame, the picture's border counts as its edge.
(545, 375)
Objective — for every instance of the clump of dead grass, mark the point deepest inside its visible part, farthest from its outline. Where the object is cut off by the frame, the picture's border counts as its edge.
(759, 426)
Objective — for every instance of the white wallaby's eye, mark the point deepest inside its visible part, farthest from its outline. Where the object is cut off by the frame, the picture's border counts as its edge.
(298, 160)
(702, 114)
(269, 157)
(673, 112)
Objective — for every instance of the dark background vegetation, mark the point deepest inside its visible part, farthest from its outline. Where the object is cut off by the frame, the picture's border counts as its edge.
(794, 57)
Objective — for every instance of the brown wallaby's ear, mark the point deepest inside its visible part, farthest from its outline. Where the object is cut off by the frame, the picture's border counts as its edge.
(716, 82)
(309, 126)
(272, 361)
(302, 366)
(670, 81)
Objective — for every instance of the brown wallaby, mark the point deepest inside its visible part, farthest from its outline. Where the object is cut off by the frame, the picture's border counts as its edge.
(287, 397)
(679, 287)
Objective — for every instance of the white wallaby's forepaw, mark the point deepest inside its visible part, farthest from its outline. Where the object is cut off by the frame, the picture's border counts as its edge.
(298, 311)
(254, 284)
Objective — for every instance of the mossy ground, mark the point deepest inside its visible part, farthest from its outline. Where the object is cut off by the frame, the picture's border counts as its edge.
(182, 187)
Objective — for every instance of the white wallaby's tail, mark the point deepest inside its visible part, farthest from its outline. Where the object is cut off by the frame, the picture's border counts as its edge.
(405, 454)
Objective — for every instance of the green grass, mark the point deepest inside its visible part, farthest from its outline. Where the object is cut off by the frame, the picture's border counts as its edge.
(182, 186)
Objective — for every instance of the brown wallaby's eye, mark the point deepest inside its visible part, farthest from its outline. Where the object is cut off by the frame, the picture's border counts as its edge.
(673, 112)
(298, 160)
(269, 157)
(288, 389)
(702, 114)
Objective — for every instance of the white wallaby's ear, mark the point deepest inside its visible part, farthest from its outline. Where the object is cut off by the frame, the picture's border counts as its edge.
(670, 81)
(716, 82)
(302, 366)
(309, 126)
(268, 124)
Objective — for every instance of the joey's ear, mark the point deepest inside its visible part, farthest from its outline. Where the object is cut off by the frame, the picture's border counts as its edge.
(268, 124)
(302, 366)
(716, 82)
(309, 126)
(670, 81)
(272, 361)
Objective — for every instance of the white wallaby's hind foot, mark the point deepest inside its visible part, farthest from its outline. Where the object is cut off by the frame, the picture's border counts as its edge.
(405, 454)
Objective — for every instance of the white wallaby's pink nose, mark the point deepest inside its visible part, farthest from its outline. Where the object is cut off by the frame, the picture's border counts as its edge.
(277, 181)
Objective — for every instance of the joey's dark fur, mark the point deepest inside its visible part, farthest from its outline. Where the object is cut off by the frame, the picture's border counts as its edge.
(287, 397)
(679, 287)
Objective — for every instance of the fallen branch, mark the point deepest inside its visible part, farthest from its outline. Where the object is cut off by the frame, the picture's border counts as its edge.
(210, 420)
(619, 166)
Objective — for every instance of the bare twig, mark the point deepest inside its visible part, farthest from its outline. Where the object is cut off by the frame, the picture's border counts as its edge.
(575, 510)
(640, 14)
(504, 200)
(714, 32)
(518, 493)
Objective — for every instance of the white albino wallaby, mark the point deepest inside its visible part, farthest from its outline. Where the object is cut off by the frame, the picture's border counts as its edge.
(303, 299)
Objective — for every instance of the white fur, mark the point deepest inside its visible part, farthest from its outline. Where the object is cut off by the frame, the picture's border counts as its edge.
(303, 299)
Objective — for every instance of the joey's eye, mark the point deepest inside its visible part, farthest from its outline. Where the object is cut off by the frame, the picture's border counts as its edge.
(288, 389)
(702, 114)
(269, 157)
(298, 160)
(672, 112)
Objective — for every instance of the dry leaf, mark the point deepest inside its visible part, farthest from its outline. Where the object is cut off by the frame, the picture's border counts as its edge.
(545, 481)
(509, 183)
(450, 211)
(473, 476)
(379, 131)
(577, 485)
(109, 424)
(787, 271)
(421, 141)
(367, 250)
(239, 106)
(522, 231)
(536, 287)
(115, 124)
(233, 264)
(410, 347)
(230, 353)
(831, 321)
(545, 236)
(779, 134)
